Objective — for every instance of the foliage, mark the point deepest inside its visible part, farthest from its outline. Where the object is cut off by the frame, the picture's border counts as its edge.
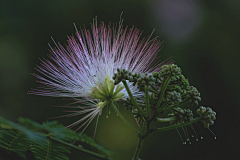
(37, 138)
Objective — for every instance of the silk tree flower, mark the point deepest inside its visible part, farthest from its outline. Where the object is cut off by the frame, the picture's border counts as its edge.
(84, 68)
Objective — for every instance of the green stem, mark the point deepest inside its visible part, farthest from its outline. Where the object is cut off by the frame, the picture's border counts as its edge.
(166, 119)
(147, 100)
(173, 85)
(184, 101)
(178, 111)
(137, 151)
(162, 107)
(179, 125)
(154, 88)
(153, 91)
(81, 149)
(121, 116)
(162, 91)
(15, 139)
(173, 106)
(134, 101)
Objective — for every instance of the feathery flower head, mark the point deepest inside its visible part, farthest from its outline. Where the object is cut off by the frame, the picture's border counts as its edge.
(85, 67)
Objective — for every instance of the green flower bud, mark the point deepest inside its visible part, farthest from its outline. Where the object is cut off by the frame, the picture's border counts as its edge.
(156, 75)
(182, 115)
(193, 94)
(208, 116)
(173, 96)
(171, 70)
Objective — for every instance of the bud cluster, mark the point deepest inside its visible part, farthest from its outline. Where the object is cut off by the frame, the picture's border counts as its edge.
(177, 91)
(208, 116)
(171, 70)
(145, 79)
(122, 75)
(173, 97)
(182, 115)
(193, 94)
(158, 79)
(137, 78)
(173, 88)
(179, 85)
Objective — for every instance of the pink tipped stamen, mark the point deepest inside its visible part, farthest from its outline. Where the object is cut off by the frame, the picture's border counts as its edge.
(90, 120)
(74, 114)
(96, 126)
(85, 117)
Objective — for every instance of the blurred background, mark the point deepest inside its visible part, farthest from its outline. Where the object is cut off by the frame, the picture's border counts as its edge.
(202, 36)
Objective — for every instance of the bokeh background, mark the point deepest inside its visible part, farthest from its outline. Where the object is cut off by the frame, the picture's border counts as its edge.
(202, 36)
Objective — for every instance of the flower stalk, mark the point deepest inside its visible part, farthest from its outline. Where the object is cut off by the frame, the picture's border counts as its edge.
(179, 125)
(162, 91)
(99, 156)
(133, 100)
(147, 100)
(174, 106)
(166, 119)
(139, 146)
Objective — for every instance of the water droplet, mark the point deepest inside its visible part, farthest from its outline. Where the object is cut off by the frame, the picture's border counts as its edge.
(187, 139)
(215, 137)
(109, 112)
(190, 142)
(196, 139)
(106, 116)
(192, 135)
(201, 137)
(184, 143)
(117, 114)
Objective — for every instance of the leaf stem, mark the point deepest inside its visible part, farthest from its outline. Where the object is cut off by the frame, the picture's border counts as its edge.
(154, 88)
(134, 101)
(137, 151)
(163, 106)
(153, 91)
(173, 106)
(178, 125)
(80, 149)
(162, 91)
(166, 119)
(147, 100)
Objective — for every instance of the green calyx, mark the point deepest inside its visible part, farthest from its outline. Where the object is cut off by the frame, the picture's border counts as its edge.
(208, 116)
(107, 92)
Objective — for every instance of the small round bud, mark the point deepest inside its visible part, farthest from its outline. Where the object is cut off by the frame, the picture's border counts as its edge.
(182, 115)
(171, 70)
(208, 115)
(193, 94)
(156, 75)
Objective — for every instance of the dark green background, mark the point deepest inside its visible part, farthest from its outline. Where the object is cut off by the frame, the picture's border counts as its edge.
(202, 36)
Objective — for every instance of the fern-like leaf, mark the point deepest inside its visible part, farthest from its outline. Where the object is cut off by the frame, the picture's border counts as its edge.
(61, 132)
(50, 151)
(14, 141)
(32, 135)
(38, 138)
